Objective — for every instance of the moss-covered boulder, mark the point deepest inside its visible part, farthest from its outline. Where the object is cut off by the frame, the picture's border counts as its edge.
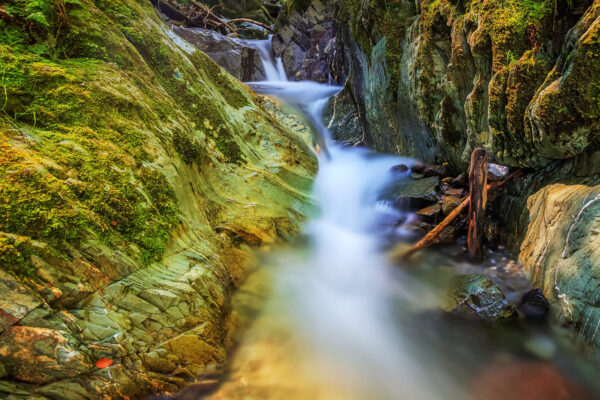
(135, 174)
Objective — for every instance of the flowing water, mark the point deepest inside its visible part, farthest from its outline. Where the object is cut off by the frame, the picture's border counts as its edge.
(334, 320)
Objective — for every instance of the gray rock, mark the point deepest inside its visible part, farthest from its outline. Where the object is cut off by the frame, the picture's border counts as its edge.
(497, 172)
(424, 188)
(238, 56)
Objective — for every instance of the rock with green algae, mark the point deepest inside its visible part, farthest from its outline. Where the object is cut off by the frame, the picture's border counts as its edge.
(135, 174)
(476, 296)
(436, 79)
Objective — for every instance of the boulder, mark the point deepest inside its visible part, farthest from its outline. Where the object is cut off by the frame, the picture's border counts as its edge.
(476, 296)
(239, 57)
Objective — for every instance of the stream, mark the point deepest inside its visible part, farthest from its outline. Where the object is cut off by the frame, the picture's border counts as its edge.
(333, 318)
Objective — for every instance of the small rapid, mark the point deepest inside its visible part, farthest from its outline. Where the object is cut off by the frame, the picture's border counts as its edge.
(335, 297)
(329, 317)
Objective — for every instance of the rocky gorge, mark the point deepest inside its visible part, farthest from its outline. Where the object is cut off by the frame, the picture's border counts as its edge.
(140, 175)
(436, 79)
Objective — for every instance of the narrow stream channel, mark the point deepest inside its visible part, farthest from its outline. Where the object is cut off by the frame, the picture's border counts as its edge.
(333, 319)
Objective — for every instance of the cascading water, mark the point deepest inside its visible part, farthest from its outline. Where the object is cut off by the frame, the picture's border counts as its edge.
(339, 322)
(333, 299)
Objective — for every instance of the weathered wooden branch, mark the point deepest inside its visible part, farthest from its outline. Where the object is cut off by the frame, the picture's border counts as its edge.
(478, 193)
(435, 232)
(198, 15)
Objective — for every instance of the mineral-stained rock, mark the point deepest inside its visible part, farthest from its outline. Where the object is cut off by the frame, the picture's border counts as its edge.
(40, 355)
(561, 251)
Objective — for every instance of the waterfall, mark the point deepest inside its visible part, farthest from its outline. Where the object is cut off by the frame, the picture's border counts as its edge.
(333, 297)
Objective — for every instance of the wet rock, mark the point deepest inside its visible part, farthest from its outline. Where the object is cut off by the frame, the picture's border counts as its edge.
(450, 203)
(248, 30)
(413, 188)
(40, 355)
(534, 305)
(418, 168)
(400, 168)
(497, 172)
(430, 211)
(239, 57)
(476, 296)
(437, 170)
(305, 39)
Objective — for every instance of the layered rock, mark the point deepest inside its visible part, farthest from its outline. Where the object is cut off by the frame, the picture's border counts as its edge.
(135, 175)
(305, 40)
(444, 78)
(239, 57)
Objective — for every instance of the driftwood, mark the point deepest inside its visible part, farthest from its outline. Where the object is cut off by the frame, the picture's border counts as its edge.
(435, 232)
(478, 175)
(197, 15)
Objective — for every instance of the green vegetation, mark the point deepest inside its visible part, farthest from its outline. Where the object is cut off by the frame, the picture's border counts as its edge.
(82, 91)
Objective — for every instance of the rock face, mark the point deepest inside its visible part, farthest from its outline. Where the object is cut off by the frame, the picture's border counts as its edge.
(135, 174)
(561, 251)
(239, 57)
(305, 39)
(436, 79)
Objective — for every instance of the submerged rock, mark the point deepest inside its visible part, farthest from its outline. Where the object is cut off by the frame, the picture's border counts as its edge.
(476, 296)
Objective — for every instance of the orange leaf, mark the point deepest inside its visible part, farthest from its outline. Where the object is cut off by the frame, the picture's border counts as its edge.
(104, 363)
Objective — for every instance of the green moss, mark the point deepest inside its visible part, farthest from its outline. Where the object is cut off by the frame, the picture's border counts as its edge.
(189, 150)
(15, 252)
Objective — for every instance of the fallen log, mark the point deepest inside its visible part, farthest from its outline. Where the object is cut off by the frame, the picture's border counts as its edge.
(435, 232)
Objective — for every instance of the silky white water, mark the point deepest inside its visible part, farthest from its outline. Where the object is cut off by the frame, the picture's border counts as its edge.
(335, 298)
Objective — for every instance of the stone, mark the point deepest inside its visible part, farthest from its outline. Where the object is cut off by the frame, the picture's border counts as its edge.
(430, 211)
(449, 203)
(534, 305)
(475, 296)
(40, 355)
(497, 172)
(162, 299)
(16, 302)
(412, 188)
(239, 57)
